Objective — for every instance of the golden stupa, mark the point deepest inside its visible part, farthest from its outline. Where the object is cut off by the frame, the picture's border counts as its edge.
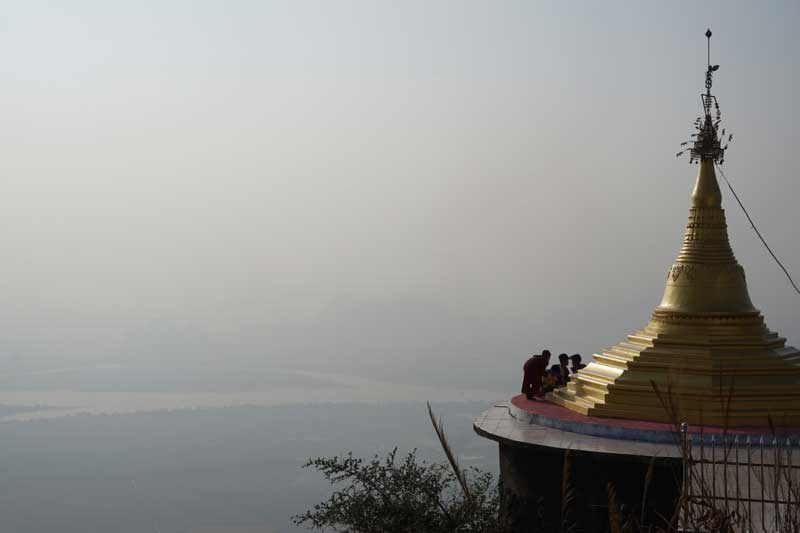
(706, 356)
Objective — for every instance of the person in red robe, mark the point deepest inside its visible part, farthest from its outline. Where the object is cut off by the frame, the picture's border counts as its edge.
(533, 371)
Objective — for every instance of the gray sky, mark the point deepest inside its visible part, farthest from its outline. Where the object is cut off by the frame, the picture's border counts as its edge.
(401, 189)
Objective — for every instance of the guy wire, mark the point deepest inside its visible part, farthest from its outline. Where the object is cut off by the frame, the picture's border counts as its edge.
(753, 225)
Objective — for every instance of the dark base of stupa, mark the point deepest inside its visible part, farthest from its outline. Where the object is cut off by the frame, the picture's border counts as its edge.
(536, 438)
(533, 494)
(532, 471)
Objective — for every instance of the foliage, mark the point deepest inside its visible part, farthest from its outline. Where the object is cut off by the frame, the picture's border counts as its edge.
(402, 496)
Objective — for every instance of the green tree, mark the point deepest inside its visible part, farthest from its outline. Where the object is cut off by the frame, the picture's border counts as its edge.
(403, 496)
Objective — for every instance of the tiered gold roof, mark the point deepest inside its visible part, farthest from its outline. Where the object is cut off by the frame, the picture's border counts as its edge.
(706, 348)
(706, 356)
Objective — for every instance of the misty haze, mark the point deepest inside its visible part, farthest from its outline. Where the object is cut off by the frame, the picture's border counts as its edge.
(237, 235)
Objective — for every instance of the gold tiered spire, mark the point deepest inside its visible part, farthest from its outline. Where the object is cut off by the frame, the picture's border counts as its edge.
(706, 278)
(706, 347)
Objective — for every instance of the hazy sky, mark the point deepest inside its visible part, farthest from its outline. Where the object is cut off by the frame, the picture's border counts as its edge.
(374, 186)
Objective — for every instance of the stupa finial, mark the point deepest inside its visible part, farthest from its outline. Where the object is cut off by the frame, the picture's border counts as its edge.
(706, 142)
(709, 70)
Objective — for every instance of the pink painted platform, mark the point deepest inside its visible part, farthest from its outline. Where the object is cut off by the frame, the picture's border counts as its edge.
(544, 413)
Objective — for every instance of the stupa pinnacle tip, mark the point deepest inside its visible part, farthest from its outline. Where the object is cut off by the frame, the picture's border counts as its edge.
(706, 143)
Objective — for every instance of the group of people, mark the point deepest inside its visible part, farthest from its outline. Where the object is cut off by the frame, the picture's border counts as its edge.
(539, 379)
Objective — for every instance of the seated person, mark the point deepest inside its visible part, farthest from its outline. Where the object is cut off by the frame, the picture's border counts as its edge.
(552, 378)
(563, 366)
(576, 362)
